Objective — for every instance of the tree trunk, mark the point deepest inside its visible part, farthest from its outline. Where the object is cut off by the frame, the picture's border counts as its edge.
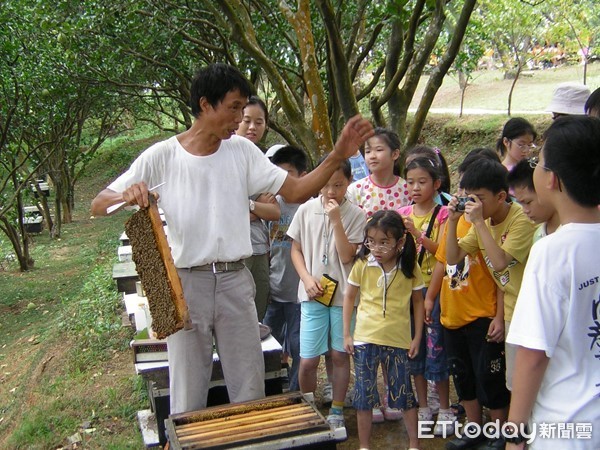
(396, 109)
(338, 61)
(463, 82)
(13, 236)
(512, 88)
(438, 74)
(66, 196)
(44, 208)
(58, 213)
(314, 140)
(18, 236)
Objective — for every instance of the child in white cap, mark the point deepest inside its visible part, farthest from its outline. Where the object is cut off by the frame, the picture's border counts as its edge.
(568, 99)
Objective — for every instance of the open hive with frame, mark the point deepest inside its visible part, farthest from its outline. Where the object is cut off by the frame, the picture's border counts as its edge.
(280, 421)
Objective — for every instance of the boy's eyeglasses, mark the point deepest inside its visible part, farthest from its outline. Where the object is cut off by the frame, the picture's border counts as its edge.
(534, 161)
(380, 248)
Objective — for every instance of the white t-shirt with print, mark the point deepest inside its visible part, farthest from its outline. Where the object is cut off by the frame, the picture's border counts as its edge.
(558, 311)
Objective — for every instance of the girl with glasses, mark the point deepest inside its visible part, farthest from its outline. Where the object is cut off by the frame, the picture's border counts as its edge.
(389, 281)
(516, 142)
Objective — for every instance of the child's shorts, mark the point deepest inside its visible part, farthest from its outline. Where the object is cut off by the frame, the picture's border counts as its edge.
(393, 361)
(477, 365)
(321, 328)
(431, 362)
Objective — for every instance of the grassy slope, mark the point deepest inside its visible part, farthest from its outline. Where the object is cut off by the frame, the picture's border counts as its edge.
(53, 385)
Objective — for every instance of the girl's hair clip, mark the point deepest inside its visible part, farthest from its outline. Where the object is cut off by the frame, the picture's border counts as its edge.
(437, 150)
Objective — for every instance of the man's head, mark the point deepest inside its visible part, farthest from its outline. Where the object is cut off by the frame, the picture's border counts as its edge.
(569, 162)
(520, 179)
(291, 159)
(486, 179)
(568, 99)
(213, 82)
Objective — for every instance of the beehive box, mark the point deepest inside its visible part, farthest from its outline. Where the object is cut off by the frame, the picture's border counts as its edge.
(281, 421)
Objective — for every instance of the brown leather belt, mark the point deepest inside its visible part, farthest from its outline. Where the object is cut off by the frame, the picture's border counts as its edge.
(218, 267)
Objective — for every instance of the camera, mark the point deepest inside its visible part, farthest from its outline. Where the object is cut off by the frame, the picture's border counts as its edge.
(462, 201)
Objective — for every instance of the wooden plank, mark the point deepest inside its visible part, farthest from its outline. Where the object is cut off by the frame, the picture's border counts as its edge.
(228, 410)
(244, 433)
(229, 422)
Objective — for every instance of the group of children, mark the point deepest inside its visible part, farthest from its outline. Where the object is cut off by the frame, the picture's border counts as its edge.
(401, 275)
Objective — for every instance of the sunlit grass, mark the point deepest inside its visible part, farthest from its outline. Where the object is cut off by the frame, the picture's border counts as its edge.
(488, 90)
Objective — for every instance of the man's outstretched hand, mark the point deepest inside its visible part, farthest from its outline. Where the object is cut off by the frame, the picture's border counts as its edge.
(356, 131)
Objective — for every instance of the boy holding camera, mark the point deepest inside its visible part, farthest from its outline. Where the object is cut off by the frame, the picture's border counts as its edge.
(472, 314)
(500, 230)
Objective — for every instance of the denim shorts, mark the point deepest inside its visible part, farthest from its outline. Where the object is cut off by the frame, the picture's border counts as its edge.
(431, 361)
(321, 329)
(393, 360)
(477, 365)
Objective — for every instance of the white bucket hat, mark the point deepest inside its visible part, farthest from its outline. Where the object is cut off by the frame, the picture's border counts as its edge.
(569, 98)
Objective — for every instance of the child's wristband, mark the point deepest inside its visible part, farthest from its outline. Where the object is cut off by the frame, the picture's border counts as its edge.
(419, 240)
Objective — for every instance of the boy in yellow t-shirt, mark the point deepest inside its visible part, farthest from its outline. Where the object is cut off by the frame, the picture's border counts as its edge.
(500, 230)
(473, 321)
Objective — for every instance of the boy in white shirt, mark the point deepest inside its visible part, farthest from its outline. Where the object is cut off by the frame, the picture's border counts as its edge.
(326, 232)
(556, 323)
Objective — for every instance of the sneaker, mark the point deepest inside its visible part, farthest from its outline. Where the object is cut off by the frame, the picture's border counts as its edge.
(493, 444)
(336, 420)
(377, 415)
(392, 414)
(424, 415)
(457, 409)
(327, 393)
(444, 429)
(465, 442)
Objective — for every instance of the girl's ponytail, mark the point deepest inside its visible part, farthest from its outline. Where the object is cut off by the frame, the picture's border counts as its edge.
(408, 258)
